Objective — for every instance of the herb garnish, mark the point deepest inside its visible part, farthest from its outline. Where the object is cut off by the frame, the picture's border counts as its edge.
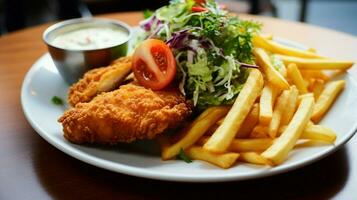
(57, 100)
(147, 13)
(183, 156)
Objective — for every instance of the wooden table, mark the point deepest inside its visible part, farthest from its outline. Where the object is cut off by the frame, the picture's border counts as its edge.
(30, 168)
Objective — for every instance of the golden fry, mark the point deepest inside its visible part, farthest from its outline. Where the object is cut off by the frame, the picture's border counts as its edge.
(335, 74)
(253, 158)
(250, 121)
(244, 145)
(266, 36)
(295, 75)
(317, 87)
(224, 160)
(255, 144)
(310, 143)
(278, 48)
(278, 65)
(316, 64)
(280, 149)
(290, 106)
(195, 131)
(226, 132)
(279, 110)
(318, 132)
(301, 97)
(314, 74)
(259, 131)
(312, 50)
(266, 104)
(326, 99)
(273, 76)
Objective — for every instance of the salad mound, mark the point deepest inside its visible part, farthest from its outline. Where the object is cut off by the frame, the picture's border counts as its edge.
(212, 48)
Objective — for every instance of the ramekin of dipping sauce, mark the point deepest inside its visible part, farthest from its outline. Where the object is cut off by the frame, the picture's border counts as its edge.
(78, 45)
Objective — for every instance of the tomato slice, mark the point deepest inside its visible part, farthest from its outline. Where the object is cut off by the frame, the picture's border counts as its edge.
(199, 9)
(154, 65)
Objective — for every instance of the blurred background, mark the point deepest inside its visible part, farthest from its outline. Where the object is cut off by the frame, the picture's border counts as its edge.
(336, 14)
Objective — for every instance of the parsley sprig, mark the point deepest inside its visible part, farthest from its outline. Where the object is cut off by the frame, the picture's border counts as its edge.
(183, 156)
(57, 100)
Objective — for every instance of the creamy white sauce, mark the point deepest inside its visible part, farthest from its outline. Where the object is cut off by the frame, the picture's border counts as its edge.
(90, 38)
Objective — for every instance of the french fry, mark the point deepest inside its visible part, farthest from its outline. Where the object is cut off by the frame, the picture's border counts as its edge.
(301, 97)
(280, 149)
(219, 122)
(195, 131)
(266, 104)
(278, 65)
(253, 158)
(290, 106)
(244, 145)
(318, 132)
(310, 143)
(316, 64)
(224, 160)
(259, 131)
(278, 48)
(273, 76)
(250, 121)
(226, 132)
(336, 74)
(295, 75)
(314, 74)
(266, 36)
(255, 144)
(312, 50)
(317, 87)
(282, 70)
(211, 130)
(326, 99)
(279, 110)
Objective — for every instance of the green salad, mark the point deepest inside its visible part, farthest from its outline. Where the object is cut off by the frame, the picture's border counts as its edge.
(212, 48)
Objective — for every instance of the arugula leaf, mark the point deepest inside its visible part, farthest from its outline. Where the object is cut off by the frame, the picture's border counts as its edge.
(183, 156)
(147, 13)
(57, 100)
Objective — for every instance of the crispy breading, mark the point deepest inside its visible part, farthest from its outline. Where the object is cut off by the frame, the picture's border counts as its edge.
(124, 115)
(99, 80)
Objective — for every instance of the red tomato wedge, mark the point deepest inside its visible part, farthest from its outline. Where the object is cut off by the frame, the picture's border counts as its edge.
(199, 9)
(154, 65)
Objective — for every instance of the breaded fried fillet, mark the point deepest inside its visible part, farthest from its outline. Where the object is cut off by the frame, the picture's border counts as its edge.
(124, 115)
(99, 80)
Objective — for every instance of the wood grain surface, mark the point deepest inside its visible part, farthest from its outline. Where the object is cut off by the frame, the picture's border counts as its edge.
(30, 168)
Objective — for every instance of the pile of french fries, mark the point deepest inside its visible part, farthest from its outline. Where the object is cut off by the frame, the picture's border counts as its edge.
(277, 110)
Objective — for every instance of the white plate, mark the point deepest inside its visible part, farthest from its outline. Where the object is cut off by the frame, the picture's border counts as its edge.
(142, 159)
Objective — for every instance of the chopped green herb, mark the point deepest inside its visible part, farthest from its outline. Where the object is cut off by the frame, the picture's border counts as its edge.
(147, 13)
(56, 100)
(184, 157)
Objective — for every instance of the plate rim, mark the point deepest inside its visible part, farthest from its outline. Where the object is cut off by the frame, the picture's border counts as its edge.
(147, 173)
